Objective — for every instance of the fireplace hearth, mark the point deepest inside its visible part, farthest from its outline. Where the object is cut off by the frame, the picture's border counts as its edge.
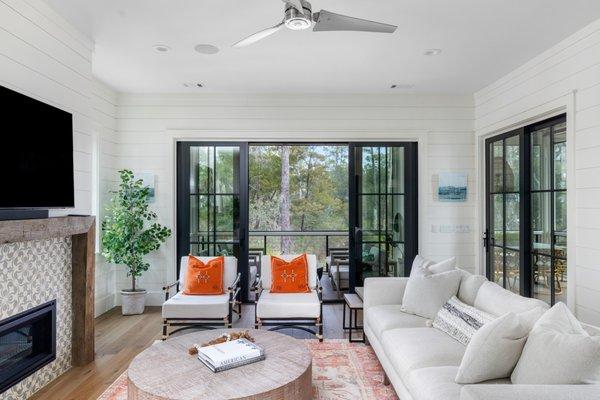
(27, 343)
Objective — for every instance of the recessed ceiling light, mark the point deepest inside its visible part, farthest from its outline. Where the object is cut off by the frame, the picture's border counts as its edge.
(432, 52)
(161, 48)
(206, 49)
(193, 85)
(402, 86)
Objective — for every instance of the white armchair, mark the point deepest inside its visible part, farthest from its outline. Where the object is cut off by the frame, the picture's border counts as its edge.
(289, 310)
(189, 311)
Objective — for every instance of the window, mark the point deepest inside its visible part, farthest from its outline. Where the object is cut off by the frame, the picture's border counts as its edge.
(526, 208)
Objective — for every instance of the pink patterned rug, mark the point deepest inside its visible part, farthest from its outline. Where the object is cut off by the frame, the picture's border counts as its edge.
(341, 371)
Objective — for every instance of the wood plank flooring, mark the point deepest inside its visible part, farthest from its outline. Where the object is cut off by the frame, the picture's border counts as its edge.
(120, 338)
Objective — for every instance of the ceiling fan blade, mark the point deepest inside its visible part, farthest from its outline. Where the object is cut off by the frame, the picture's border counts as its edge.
(328, 21)
(258, 36)
(297, 4)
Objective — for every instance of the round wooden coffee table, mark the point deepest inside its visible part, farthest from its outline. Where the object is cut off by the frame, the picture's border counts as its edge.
(166, 371)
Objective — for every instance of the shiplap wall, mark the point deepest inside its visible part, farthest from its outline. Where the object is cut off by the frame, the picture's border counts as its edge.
(44, 57)
(148, 125)
(564, 78)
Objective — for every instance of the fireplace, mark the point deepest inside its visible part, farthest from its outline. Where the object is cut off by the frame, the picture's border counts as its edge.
(27, 343)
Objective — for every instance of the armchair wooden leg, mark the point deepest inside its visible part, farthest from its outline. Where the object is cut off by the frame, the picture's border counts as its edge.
(165, 335)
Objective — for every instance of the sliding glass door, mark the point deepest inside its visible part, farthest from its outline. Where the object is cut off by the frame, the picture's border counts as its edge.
(526, 210)
(212, 200)
(383, 210)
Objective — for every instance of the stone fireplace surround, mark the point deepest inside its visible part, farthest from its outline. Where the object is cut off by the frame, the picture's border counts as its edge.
(43, 260)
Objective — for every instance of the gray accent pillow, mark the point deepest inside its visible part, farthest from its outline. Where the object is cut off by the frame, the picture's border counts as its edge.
(460, 320)
(493, 351)
(425, 295)
(558, 352)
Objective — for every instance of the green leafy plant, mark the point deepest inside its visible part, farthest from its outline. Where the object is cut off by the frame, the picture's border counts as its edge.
(128, 230)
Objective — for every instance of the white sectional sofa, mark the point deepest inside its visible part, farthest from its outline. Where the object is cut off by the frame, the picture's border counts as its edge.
(421, 362)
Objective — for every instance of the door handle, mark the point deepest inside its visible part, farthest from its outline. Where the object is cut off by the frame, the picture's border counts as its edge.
(357, 232)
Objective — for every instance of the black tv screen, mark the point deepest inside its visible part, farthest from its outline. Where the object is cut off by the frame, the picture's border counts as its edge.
(36, 153)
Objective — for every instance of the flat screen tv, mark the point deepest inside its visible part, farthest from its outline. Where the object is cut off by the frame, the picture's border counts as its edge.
(36, 154)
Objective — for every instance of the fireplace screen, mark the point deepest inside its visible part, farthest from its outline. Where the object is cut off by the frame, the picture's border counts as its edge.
(27, 343)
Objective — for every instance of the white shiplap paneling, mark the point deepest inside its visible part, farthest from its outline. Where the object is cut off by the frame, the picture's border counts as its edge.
(148, 125)
(565, 78)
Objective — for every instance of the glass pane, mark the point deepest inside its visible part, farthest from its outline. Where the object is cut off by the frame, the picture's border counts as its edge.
(200, 217)
(201, 169)
(497, 260)
(226, 212)
(395, 218)
(511, 168)
(560, 156)
(395, 170)
(512, 220)
(370, 212)
(560, 224)
(396, 260)
(226, 173)
(512, 271)
(497, 212)
(540, 213)
(541, 277)
(540, 159)
(370, 170)
(372, 260)
(496, 161)
(560, 280)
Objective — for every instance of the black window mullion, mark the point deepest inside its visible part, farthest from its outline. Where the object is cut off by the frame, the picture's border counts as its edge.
(552, 232)
(504, 213)
(525, 258)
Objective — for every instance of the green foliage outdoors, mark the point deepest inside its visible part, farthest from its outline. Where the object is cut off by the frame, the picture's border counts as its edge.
(128, 230)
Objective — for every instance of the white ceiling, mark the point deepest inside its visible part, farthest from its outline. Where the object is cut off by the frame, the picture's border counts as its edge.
(481, 40)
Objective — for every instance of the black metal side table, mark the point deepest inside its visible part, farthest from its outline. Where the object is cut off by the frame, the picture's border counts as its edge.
(354, 303)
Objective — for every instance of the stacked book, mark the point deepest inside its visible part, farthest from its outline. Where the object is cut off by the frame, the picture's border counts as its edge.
(232, 354)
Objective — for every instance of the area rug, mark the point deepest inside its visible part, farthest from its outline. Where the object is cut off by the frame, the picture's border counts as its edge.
(341, 371)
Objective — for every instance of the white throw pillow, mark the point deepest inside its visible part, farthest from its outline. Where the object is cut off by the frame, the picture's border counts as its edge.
(459, 320)
(558, 352)
(493, 351)
(443, 266)
(425, 295)
(419, 266)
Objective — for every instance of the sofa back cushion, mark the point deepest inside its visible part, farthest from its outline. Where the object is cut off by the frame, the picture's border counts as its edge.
(469, 287)
(265, 269)
(492, 298)
(229, 270)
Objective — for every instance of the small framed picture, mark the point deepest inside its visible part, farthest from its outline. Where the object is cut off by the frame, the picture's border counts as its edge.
(452, 187)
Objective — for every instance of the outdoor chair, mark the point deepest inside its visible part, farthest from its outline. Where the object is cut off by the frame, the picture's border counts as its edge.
(289, 310)
(202, 311)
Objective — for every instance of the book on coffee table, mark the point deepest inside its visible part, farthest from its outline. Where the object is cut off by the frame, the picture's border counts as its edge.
(232, 354)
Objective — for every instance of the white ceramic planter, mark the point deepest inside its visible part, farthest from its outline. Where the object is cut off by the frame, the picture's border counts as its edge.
(133, 303)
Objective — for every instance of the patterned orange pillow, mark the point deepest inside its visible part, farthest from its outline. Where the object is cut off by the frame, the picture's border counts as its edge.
(289, 277)
(204, 279)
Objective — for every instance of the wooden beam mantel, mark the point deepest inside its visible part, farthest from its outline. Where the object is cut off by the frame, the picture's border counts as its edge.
(82, 230)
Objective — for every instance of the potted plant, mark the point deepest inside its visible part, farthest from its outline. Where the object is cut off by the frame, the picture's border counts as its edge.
(129, 233)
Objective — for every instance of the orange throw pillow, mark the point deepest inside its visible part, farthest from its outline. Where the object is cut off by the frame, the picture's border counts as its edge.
(204, 279)
(289, 277)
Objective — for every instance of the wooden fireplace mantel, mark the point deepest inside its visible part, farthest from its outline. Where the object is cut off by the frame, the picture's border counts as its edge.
(82, 230)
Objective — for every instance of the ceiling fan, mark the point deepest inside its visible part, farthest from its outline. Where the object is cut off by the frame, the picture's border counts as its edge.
(298, 16)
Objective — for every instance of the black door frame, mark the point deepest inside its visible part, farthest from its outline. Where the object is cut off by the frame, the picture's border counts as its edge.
(183, 199)
(525, 207)
(183, 204)
(411, 206)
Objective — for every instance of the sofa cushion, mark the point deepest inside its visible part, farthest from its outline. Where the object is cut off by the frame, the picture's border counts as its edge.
(184, 306)
(469, 286)
(419, 266)
(434, 383)
(288, 305)
(425, 295)
(383, 318)
(443, 266)
(413, 348)
(496, 300)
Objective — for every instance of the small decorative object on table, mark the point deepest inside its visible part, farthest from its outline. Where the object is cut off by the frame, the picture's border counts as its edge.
(230, 354)
(226, 337)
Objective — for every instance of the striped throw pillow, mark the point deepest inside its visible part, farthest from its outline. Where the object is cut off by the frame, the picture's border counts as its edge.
(460, 320)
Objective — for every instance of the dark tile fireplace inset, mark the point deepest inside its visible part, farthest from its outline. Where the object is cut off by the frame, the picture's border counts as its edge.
(27, 343)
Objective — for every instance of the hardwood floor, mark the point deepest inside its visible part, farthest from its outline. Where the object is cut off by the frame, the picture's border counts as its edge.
(119, 339)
